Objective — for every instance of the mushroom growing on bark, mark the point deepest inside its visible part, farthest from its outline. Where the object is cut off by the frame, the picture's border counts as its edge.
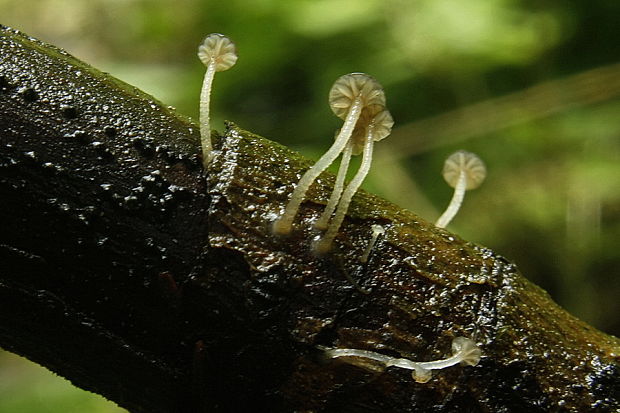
(376, 129)
(356, 98)
(377, 230)
(217, 52)
(462, 171)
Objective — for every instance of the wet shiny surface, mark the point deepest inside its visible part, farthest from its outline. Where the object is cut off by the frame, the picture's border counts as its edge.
(421, 287)
(97, 182)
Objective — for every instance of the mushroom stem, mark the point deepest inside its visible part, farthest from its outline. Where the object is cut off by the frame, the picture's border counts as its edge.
(283, 225)
(205, 125)
(323, 220)
(455, 202)
(325, 242)
(376, 231)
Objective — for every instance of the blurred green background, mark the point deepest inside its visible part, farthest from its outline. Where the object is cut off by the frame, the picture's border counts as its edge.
(533, 87)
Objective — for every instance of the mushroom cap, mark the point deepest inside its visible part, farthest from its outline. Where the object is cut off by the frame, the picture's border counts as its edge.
(470, 163)
(377, 229)
(383, 123)
(219, 47)
(348, 87)
(469, 352)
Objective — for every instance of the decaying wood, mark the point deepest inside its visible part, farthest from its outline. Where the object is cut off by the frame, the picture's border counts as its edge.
(126, 270)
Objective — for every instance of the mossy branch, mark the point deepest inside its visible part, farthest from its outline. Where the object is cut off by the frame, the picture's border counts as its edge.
(127, 271)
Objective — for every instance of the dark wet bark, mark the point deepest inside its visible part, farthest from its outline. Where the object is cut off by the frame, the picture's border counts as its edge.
(127, 271)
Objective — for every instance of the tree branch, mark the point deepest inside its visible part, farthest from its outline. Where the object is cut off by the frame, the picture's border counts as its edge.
(123, 269)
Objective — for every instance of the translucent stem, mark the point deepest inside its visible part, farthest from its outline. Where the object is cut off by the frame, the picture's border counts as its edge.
(283, 225)
(324, 244)
(421, 369)
(205, 126)
(441, 364)
(455, 202)
(376, 231)
(350, 352)
(323, 220)
(396, 362)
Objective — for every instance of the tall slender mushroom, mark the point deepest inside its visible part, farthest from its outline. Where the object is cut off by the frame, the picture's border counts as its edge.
(462, 171)
(351, 96)
(354, 147)
(377, 129)
(218, 53)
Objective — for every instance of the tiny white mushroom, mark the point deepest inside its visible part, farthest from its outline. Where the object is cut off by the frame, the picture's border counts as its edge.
(378, 128)
(377, 230)
(217, 52)
(464, 351)
(353, 97)
(462, 171)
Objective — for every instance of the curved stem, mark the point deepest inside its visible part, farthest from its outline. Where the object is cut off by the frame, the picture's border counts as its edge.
(283, 225)
(324, 244)
(205, 126)
(421, 369)
(455, 202)
(441, 364)
(395, 362)
(323, 220)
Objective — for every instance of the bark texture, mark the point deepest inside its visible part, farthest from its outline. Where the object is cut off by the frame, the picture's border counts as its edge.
(126, 269)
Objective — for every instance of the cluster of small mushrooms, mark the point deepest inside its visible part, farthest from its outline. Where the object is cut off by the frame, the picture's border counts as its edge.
(359, 100)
